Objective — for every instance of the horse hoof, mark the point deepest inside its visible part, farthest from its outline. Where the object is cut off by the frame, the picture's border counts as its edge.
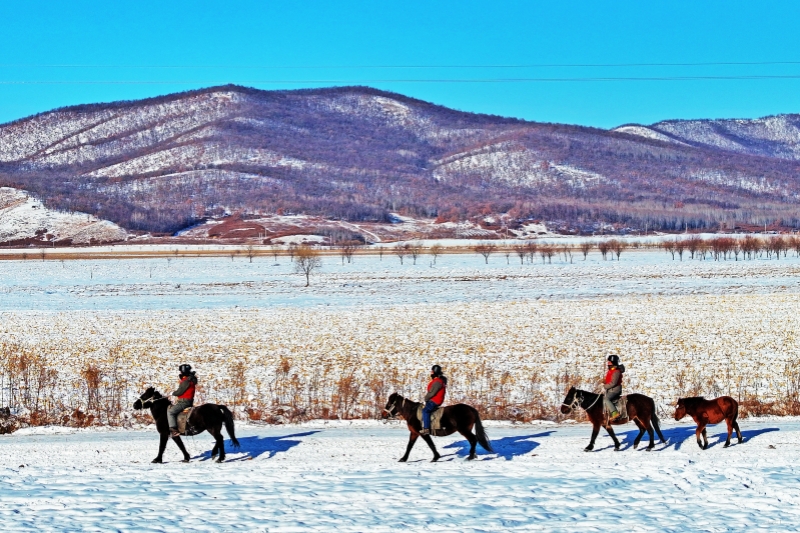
(221, 460)
(588, 448)
(185, 461)
(650, 448)
(157, 460)
(403, 460)
(435, 459)
(726, 444)
(636, 446)
(471, 457)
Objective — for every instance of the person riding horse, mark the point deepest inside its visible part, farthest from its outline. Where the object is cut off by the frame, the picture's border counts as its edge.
(437, 388)
(613, 385)
(185, 395)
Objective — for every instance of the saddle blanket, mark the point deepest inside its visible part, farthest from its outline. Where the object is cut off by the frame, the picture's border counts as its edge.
(436, 421)
(183, 428)
(622, 407)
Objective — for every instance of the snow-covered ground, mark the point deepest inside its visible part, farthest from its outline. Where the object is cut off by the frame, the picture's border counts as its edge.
(342, 477)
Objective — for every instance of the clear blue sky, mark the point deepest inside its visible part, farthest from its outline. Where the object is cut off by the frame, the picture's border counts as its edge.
(219, 42)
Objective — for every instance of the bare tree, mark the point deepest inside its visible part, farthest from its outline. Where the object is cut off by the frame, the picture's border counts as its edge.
(521, 250)
(415, 249)
(435, 251)
(680, 247)
(604, 248)
(532, 248)
(42, 254)
(346, 252)
(618, 247)
(485, 249)
(380, 252)
(401, 250)
(306, 261)
(585, 248)
(251, 251)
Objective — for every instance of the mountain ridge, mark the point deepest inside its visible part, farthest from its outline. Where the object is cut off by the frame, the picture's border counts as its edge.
(357, 153)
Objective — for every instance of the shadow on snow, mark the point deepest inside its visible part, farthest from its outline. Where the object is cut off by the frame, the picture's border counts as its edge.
(256, 446)
(506, 447)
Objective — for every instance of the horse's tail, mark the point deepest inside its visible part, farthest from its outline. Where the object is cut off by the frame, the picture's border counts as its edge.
(656, 424)
(227, 417)
(483, 439)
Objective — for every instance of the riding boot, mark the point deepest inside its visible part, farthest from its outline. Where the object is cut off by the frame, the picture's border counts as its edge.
(174, 432)
(425, 431)
(614, 415)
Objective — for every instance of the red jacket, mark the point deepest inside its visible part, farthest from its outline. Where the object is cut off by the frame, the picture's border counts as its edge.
(438, 398)
(188, 394)
(610, 376)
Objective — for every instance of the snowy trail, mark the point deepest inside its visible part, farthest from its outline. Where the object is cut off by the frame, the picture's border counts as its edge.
(321, 477)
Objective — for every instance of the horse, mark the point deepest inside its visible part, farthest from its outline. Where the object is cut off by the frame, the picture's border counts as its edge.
(457, 417)
(706, 412)
(207, 417)
(641, 409)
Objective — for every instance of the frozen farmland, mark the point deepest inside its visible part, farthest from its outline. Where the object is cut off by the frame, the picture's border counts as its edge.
(306, 371)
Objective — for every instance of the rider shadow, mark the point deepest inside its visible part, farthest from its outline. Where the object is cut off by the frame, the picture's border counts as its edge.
(256, 446)
(507, 447)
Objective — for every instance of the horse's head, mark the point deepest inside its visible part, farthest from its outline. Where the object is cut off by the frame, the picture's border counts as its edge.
(390, 411)
(147, 398)
(572, 401)
(680, 409)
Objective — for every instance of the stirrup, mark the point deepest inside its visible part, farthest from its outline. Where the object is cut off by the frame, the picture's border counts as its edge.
(173, 432)
(425, 431)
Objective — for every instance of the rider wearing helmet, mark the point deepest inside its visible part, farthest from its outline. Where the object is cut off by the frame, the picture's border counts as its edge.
(613, 385)
(185, 395)
(434, 398)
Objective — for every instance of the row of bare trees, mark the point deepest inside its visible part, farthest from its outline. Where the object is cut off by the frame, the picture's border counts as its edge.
(724, 248)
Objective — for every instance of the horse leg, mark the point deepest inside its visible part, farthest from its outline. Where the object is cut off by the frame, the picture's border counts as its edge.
(473, 441)
(162, 445)
(217, 434)
(730, 430)
(638, 438)
(610, 431)
(705, 439)
(738, 432)
(649, 427)
(412, 438)
(186, 455)
(429, 440)
(697, 433)
(595, 432)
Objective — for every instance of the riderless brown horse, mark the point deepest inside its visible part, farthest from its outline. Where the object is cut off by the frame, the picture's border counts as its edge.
(706, 412)
(641, 409)
(207, 417)
(457, 417)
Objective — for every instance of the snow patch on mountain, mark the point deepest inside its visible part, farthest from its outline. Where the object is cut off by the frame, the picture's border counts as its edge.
(23, 217)
(648, 133)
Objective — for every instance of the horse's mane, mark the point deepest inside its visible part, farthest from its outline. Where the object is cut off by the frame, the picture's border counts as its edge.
(692, 401)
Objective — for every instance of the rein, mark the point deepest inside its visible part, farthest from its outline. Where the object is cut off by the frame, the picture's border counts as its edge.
(391, 411)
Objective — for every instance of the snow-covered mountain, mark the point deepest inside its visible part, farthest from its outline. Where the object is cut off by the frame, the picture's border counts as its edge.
(359, 154)
(775, 136)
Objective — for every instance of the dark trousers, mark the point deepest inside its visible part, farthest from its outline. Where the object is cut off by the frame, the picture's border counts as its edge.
(430, 407)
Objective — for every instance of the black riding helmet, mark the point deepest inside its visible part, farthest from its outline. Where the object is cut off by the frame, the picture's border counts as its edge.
(436, 370)
(185, 370)
(613, 359)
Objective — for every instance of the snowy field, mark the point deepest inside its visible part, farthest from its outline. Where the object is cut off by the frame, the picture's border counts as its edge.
(337, 476)
(731, 324)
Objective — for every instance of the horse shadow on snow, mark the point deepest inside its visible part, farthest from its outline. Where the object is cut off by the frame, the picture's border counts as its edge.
(680, 435)
(256, 446)
(505, 447)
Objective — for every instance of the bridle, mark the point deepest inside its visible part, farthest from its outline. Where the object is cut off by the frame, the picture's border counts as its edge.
(150, 401)
(391, 410)
(578, 401)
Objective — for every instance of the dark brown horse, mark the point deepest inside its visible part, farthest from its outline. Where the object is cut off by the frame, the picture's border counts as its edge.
(641, 409)
(458, 417)
(706, 412)
(207, 417)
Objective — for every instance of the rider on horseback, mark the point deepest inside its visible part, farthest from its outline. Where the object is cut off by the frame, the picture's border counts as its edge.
(435, 397)
(613, 385)
(185, 395)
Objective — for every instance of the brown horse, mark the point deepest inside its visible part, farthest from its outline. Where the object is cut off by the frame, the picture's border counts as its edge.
(458, 417)
(207, 417)
(706, 412)
(641, 409)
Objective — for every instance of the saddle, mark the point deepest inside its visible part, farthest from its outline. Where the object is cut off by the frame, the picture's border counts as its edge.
(622, 408)
(437, 429)
(184, 428)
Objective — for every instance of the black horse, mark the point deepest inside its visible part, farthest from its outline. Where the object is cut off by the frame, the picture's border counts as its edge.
(207, 417)
(641, 410)
(458, 417)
